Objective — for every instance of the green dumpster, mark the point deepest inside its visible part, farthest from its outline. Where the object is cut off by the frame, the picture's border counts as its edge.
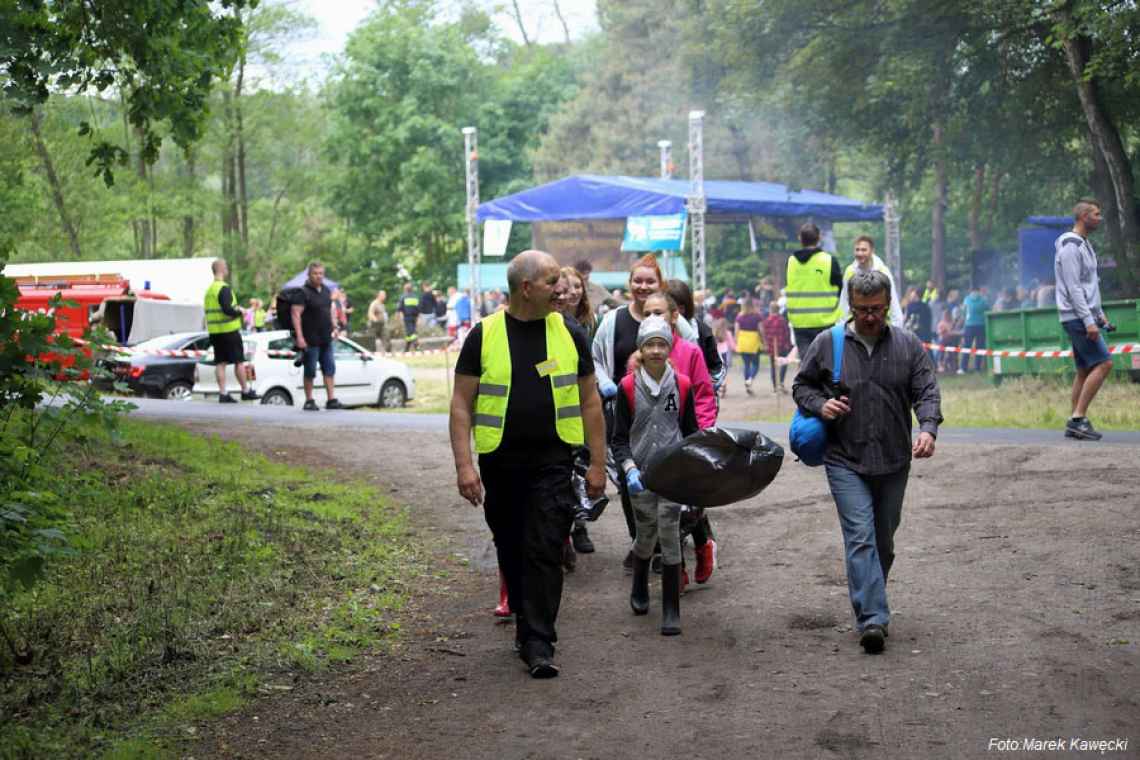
(1040, 330)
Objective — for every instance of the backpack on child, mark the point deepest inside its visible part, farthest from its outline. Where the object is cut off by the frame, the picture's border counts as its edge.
(683, 386)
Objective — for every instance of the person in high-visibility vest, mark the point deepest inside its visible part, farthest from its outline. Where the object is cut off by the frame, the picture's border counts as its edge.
(223, 323)
(409, 307)
(813, 284)
(259, 316)
(865, 260)
(525, 386)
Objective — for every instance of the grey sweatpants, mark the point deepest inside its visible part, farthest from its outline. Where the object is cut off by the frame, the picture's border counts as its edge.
(658, 519)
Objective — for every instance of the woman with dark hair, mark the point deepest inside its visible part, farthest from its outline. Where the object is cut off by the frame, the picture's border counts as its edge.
(614, 342)
(706, 341)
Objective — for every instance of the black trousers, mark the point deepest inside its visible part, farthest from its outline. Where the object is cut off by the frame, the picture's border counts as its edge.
(530, 510)
(804, 336)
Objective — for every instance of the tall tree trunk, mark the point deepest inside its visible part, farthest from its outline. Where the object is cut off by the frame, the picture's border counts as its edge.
(938, 213)
(229, 182)
(519, 21)
(1101, 182)
(974, 221)
(243, 197)
(188, 219)
(995, 196)
(562, 20)
(1106, 139)
(141, 222)
(54, 183)
(741, 152)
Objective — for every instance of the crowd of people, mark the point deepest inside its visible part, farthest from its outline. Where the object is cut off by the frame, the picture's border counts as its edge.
(557, 395)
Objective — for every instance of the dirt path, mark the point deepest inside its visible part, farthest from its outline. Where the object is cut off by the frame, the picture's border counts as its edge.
(1016, 595)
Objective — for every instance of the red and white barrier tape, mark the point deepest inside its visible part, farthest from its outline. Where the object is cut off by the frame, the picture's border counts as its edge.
(277, 354)
(1124, 348)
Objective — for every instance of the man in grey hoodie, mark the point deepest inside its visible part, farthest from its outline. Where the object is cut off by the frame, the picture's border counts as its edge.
(1078, 306)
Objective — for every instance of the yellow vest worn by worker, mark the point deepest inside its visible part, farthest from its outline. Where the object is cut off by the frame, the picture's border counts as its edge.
(216, 320)
(495, 383)
(812, 300)
(259, 319)
(930, 295)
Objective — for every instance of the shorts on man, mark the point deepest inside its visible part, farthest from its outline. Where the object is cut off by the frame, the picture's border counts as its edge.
(1086, 353)
(322, 355)
(228, 347)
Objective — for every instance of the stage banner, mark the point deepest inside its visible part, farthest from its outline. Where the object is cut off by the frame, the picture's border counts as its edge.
(496, 233)
(654, 233)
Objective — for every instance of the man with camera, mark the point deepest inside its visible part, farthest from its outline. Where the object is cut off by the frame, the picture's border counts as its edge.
(886, 373)
(1078, 306)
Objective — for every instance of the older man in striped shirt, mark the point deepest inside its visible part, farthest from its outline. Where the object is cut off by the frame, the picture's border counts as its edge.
(885, 374)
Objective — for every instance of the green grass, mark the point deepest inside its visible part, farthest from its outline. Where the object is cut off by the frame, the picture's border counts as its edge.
(201, 575)
(1034, 402)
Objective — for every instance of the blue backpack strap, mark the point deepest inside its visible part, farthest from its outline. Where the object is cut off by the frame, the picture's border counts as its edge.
(837, 338)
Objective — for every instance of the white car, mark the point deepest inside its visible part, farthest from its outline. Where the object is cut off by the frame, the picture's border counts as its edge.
(362, 379)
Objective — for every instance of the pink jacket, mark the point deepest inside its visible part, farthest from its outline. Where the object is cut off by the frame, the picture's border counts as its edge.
(688, 360)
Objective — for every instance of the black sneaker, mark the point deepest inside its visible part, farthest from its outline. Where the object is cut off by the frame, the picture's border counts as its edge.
(311, 406)
(1081, 429)
(250, 395)
(226, 398)
(333, 403)
(873, 640)
(581, 539)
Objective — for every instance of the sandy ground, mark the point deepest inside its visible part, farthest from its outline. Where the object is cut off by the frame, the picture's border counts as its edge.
(1016, 600)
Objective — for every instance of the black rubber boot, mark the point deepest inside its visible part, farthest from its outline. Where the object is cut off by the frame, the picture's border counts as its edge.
(581, 539)
(671, 600)
(639, 596)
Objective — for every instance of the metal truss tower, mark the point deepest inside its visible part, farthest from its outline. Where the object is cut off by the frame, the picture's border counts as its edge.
(891, 222)
(666, 147)
(474, 256)
(696, 202)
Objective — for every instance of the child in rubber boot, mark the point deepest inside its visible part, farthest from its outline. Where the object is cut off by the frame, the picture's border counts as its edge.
(654, 409)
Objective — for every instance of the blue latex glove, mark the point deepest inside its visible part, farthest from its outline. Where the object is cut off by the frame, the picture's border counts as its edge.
(633, 482)
(607, 388)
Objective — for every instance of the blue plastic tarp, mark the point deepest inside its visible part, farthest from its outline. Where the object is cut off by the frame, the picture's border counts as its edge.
(590, 196)
(299, 279)
(1051, 221)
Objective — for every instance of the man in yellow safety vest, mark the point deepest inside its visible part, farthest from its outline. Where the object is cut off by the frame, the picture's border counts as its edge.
(524, 385)
(814, 280)
(223, 323)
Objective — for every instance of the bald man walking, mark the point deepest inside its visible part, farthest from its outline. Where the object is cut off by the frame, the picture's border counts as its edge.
(524, 385)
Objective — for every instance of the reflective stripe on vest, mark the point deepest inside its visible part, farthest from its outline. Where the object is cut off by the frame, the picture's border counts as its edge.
(216, 319)
(812, 300)
(495, 383)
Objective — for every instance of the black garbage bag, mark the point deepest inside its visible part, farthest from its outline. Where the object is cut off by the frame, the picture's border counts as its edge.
(714, 467)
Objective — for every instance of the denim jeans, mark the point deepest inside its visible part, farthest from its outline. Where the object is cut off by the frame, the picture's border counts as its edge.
(751, 365)
(870, 509)
(973, 336)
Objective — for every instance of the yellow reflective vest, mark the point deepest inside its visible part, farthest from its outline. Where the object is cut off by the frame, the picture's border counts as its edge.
(561, 366)
(216, 320)
(812, 300)
(259, 319)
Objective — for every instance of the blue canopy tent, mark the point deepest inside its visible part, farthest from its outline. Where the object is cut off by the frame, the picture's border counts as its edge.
(589, 196)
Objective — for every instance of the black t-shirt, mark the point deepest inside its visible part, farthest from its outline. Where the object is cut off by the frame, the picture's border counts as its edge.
(625, 341)
(427, 304)
(316, 319)
(922, 317)
(529, 434)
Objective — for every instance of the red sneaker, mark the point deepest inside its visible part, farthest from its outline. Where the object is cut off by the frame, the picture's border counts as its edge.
(504, 608)
(706, 561)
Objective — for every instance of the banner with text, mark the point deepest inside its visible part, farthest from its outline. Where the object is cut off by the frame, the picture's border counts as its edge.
(654, 233)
